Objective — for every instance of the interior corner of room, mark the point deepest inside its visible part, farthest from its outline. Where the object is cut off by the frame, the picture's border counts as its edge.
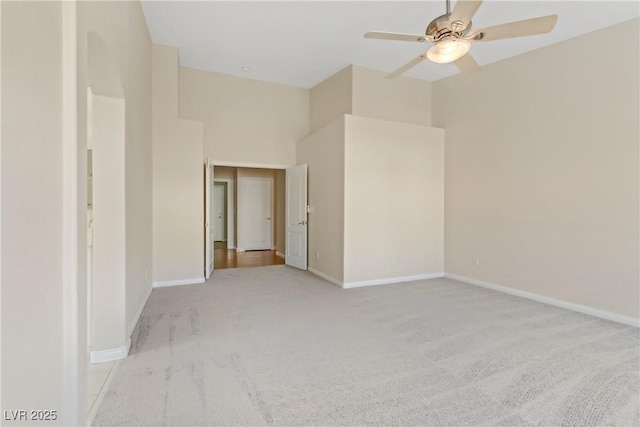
(521, 178)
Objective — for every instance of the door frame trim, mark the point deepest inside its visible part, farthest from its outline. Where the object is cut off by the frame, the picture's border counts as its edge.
(229, 212)
(208, 239)
(251, 165)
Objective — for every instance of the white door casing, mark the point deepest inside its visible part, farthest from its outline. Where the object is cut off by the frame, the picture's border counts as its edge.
(208, 245)
(296, 217)
(258, 213)
(219, 212)
(229, 220)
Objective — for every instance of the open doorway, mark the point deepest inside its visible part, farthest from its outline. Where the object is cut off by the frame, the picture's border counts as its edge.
(247, 207)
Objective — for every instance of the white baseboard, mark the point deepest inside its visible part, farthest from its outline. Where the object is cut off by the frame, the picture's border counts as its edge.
(326, 277)
(614, 317)
(349, 285)
(111, 354)
(279, 255)
(387, 281)
(194, 281)
(135, 319)
(239, 250)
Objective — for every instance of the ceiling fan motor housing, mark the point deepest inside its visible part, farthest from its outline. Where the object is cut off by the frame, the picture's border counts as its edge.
(442, 27)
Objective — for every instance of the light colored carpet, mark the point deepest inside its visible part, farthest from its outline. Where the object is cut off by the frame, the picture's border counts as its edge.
(278, 346)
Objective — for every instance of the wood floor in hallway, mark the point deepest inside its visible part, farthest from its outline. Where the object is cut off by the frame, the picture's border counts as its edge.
(229, 258)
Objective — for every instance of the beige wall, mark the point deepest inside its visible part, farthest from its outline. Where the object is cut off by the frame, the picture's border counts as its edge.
(323, 152)
(340, 238)
(109, 43)
(402, 99)
(542, 171)
(331, 99)
(246, 122)
(32, 210)
(366, 92)
(114, 60)
(108, 321)
(393, 200)
(178, 186)
(138, 166)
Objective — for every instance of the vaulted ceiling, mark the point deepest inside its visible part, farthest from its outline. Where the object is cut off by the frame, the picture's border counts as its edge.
(301, 43)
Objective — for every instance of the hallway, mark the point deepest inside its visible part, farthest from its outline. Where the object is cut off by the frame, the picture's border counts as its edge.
(229, 258)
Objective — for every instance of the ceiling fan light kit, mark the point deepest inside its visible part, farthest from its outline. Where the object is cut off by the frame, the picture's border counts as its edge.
(447, 51)
(452, 35)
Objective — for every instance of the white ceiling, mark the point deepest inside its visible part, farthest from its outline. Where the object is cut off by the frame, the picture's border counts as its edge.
(301, 43)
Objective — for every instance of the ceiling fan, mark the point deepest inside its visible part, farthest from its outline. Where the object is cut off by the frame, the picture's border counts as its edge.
(452, 34)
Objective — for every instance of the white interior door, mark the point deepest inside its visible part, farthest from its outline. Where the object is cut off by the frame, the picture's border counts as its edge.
(258, 213)
(296, 217)
(219, 212)
(208, 245)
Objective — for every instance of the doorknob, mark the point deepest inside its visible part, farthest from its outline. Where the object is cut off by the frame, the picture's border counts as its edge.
(302, 222)
(268, 219)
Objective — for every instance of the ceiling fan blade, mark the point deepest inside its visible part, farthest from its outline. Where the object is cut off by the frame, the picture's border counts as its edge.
(464, 10)
(406, 67)
(396, 36)
(528, 27)
(467, 64)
